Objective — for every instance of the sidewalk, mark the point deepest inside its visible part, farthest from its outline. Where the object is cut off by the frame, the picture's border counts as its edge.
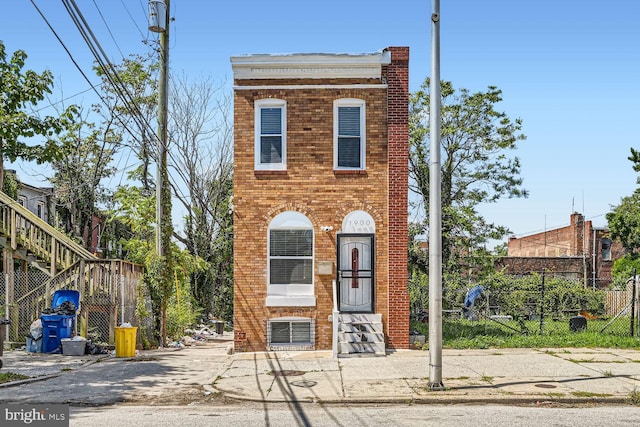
(498, 376)
(491, 376)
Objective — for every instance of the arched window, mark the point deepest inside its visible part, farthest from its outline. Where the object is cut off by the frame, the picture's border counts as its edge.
(290, 261)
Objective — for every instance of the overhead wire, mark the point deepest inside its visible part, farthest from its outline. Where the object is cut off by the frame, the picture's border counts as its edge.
(103, 66)
(108, 28)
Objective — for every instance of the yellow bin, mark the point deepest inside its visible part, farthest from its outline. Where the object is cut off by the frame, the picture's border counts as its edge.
(126, 341)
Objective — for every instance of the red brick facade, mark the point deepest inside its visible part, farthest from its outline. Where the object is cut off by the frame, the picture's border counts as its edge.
(578, 251)
(312, 187)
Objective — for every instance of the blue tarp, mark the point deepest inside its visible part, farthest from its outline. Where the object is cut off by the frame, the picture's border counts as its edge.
(472, 295)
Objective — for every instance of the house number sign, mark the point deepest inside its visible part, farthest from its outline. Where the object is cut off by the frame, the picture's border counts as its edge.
(358, 222)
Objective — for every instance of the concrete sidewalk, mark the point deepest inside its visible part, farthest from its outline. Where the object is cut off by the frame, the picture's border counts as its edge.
(491, 376)
(499, 376)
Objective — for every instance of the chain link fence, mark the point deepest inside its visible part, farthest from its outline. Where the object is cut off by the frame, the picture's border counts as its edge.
(536, 304)
(109, 295)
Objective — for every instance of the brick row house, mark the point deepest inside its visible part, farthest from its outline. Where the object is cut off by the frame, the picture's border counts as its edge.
(578, 251)
(320, 201)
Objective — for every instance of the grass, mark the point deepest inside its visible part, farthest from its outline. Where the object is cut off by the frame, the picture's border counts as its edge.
(461, 334)
(589, 394)
(7, 377)
(634, 397)
(486, 378)
(555, 395)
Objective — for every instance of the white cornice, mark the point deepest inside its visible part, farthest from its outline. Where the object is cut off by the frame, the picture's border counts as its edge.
(294, 87)
(309, 66)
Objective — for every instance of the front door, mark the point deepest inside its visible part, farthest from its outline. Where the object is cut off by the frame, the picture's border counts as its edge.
(355, 272)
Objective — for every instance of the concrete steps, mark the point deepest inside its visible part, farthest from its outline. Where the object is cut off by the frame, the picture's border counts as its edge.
(360, 333)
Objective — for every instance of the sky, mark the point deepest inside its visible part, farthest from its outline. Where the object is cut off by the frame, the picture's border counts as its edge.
(569, 69)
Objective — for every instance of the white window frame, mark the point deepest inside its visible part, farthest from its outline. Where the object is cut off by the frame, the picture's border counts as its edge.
(258, 106)
(350, 102)
(40, 210)
(290, 295)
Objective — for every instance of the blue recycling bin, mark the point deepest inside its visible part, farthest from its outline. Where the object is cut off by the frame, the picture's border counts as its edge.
(55, 327)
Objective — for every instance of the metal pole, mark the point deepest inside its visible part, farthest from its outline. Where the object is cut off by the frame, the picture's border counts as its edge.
(633, 303)
(542, 304)
(435, 211)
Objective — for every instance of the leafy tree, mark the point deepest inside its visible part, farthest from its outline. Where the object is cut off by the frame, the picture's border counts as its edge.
(202, 179)
(78, 175)
(624, 223)
(20, 89)
(10, 185)
(135, 209)
(130, 104)
(477, 168)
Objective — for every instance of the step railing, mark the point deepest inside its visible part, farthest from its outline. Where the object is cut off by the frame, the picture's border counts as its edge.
(104, 285)
(26, 230)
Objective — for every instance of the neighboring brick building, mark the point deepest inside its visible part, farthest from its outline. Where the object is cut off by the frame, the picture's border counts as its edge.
(570, 251)
(320, 195)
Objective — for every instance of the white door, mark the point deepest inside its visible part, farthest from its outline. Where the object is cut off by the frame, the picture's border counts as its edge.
(355, 272)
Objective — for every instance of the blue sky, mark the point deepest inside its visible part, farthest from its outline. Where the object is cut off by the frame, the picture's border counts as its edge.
(567, 68)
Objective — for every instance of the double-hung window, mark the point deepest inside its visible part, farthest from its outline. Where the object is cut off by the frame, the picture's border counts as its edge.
(349, 136)
(270, 134)
(290, 263)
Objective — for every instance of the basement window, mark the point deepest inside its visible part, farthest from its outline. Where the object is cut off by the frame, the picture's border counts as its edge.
(291, 333)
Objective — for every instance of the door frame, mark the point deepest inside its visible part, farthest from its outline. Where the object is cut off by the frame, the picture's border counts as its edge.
(372, 236)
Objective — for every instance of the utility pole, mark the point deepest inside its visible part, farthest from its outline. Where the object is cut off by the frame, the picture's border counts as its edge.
(159, 22)
(435, 210)
(161, 27)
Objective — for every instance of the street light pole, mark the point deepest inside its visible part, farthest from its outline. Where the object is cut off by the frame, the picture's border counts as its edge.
(435, 211)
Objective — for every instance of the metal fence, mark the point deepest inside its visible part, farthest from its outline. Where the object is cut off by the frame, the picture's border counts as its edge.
(109, 295)
(546, 307)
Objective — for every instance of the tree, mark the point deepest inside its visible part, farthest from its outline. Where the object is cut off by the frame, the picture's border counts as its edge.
(136, 210)
(476, 141)
(130, 104)
(78, 175)
(202, 179)
(19, 89)
(624, 224)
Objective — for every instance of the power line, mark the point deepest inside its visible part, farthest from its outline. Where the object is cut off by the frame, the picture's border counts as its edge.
(108, 29)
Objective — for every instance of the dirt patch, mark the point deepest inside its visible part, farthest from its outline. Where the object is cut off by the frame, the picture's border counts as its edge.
(179, 396)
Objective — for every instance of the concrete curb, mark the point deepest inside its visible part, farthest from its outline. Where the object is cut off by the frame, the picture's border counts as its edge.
(442, 400)
(46, 377)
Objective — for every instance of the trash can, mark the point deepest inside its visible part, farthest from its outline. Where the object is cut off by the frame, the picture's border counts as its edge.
(577, 323)
(55, 327)
(126, 341)
(220, 327)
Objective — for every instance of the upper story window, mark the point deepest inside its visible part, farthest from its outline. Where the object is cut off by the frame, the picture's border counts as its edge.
(349, 138)
(270, 134)
(22, 201)
(606, 249)
(40, 210)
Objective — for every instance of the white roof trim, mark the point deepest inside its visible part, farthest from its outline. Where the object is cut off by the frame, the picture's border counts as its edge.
(309, 66)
